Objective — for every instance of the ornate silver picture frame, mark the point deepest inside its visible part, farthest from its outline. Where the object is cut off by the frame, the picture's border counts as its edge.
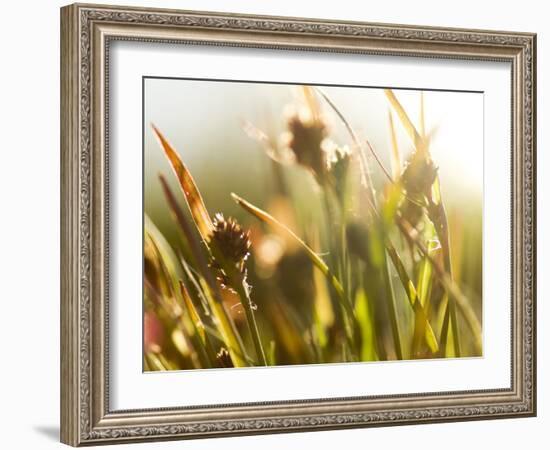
(87, 33)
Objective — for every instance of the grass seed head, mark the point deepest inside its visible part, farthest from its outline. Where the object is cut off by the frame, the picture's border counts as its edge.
(411, 212)
(418, 178)
(231, 248)
(337, 168)
(231, 239)
(224, 358)
(357, 235)
(419, 175)
(306, 134)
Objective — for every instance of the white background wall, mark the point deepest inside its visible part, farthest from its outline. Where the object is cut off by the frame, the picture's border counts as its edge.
(29, 222)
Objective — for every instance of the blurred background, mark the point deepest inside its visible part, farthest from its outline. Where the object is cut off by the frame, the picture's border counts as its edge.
(204, 121)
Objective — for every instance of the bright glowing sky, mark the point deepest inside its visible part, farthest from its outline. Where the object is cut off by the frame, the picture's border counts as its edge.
(200, 118)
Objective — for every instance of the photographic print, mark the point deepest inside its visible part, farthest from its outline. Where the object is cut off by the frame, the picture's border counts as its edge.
(294, 224)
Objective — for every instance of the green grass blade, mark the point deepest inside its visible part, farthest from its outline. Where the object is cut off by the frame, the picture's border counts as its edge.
(410, 290)
(199, 328)
(155, 363)
(191, 310)
(424, 285)
(169, 258)
(396, 163)
(242, 289)
(409, 127)
(438, 215)
(393, 311)
(364, 316)
(450, 286)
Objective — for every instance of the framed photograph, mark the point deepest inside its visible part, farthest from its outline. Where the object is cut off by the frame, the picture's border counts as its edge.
(276, 225)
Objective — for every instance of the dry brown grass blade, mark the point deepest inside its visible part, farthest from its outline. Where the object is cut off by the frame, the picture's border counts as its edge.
(282, 156)
(311, 102)
(315, 259)
(192, 195)
(379, 161)
(190, 236)
(215, 300)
